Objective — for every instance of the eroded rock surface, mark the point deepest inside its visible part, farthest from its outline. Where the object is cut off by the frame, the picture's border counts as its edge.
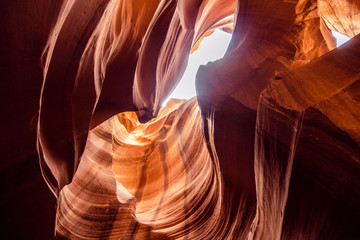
(269, 149)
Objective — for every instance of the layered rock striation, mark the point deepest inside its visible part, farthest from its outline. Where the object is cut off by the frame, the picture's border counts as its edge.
(269, 148)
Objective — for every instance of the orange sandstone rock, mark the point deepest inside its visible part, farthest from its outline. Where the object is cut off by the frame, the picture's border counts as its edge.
(269, 149)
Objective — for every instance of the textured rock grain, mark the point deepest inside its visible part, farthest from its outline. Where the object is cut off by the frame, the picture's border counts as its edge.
(269, 148)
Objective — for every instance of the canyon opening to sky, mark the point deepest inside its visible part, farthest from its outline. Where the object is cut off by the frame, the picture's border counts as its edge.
(269, 148)
(211, 48)
(340, 38)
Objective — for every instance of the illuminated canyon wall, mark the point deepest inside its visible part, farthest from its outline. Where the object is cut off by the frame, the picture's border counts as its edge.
(269, 149)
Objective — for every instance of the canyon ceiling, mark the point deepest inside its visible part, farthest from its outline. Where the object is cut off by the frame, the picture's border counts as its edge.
(269, 148)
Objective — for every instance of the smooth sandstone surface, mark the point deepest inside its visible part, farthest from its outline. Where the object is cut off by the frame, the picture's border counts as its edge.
(269, 148)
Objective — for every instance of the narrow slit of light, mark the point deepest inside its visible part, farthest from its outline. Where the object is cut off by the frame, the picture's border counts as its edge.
(211, 48)
(340, 38)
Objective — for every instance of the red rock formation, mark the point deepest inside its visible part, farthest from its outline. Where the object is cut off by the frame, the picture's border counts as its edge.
(268, 150)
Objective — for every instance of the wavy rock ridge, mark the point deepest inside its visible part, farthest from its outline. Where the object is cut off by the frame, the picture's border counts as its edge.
(269, 149)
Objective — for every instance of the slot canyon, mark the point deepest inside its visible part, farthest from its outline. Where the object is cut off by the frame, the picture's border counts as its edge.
(268, 149)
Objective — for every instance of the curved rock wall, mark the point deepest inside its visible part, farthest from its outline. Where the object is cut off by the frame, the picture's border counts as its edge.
(269, 149)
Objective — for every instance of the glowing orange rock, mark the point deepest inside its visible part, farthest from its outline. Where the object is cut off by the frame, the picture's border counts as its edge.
(269, 149)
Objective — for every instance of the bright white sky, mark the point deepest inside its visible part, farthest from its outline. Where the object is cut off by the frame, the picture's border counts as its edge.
(340, 38)
(211, 49)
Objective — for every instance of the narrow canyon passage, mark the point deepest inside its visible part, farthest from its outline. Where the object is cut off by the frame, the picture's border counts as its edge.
(94, 147)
